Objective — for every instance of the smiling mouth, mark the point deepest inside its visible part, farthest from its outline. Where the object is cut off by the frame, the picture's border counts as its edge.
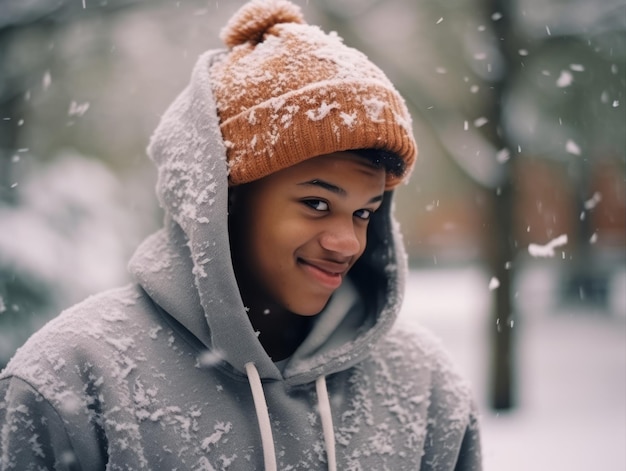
(329, 278)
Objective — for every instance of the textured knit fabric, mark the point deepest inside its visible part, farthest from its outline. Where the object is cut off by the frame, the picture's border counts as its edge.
(155, 375)
(286, 91)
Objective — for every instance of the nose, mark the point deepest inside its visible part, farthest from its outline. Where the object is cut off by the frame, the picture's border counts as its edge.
(342, 238)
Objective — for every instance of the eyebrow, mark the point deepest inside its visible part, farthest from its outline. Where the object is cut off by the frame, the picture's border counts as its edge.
(335, 189)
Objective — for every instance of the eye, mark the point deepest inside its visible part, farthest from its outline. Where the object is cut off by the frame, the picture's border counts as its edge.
(364, 214)
(317, 205)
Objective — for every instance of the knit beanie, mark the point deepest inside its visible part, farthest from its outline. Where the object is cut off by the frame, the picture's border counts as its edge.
(286, 91)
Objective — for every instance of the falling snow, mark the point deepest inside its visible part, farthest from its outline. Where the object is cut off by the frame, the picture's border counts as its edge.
(547, 250)
(503, 155)
(593, 201)
(565, 79)
(78, 109)
(572, 148)
(494, 283)
(47, 80)
(480, 122)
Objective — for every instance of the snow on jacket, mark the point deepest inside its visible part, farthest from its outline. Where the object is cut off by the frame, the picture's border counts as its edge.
(168, 373)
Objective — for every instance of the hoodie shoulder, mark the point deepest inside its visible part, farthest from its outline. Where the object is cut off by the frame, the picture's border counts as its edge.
(423, 359)
(429, 376)
(417, 349)
(99, 327)
(52, 390)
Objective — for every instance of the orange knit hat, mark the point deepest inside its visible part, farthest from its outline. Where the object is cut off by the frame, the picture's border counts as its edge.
(286, 92)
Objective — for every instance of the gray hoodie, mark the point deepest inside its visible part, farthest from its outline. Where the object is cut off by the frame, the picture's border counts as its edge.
(168, 373)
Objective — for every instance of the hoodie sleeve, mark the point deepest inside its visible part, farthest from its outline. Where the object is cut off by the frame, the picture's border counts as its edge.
(470, 458)
(32, 434)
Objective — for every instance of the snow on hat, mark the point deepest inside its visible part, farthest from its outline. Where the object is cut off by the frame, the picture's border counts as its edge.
(286, 91)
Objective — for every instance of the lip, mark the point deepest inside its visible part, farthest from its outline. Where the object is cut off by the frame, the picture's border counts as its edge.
(328, 274)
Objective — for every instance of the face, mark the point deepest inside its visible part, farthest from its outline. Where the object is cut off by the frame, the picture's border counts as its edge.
(296, 233)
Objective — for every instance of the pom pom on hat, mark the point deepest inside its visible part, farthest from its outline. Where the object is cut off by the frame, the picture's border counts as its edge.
(252, 21)
(286, 92)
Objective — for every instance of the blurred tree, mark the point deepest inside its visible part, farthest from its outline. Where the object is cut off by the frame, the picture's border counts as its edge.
(541, 107)
(503, 252)
(52, 223)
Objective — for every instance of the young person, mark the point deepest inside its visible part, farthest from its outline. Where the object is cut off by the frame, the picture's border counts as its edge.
(259, 332)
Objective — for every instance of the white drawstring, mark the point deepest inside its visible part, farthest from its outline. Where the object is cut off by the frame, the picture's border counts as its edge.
(327, 422)
(263, 417)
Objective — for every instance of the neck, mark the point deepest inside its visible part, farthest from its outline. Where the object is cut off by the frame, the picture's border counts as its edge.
(280, 332)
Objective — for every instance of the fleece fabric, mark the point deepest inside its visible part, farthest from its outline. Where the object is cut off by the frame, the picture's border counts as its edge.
(154, 375)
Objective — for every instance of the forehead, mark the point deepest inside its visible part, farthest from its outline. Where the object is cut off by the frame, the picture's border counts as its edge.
(336, 164)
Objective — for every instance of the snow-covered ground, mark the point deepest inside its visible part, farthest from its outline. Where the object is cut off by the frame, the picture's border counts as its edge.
(571, 368)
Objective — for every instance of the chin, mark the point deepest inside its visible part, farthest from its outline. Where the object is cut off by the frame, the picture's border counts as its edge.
(308, 309)
(307, 313)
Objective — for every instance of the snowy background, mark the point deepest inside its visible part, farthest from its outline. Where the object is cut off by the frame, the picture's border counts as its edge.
(527, 95)
(571, 377)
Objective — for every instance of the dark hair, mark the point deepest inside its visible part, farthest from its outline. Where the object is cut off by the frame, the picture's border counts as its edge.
(380, 158)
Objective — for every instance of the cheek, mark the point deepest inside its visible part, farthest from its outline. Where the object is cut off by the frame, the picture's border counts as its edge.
(291, 231)
(273, 242)
(362, 237)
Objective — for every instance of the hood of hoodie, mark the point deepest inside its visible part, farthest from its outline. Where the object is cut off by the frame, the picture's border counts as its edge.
(186, 267)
